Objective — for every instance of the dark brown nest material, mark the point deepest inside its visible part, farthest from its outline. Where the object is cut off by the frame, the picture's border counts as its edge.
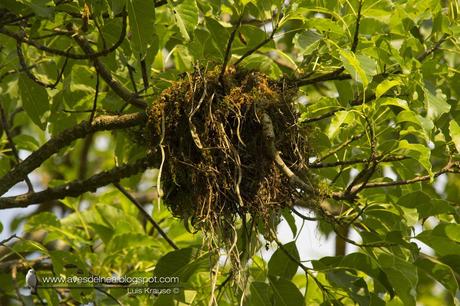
(218, 160)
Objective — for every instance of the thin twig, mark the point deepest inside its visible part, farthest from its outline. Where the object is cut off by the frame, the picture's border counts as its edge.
(83, 167)
(146, 215)
(260, 45)
(302, 216)
(6, 128)
(14, 272)
(145, 75)
(338, 148)
(116, 86)
(22, 62)
(354, 44)
(108, 294)
(8, 239)
(228, 50)
(131, 72)
(334, 75)
(436, 46)
(354, 161)
(369, 168)
(416, 179)
(37, 45)
(96, 94)
(321, 117)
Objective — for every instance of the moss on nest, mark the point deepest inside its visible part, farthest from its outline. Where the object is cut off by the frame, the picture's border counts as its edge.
(216, 162)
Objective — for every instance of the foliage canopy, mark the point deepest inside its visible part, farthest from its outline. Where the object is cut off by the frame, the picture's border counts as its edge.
(225, 118)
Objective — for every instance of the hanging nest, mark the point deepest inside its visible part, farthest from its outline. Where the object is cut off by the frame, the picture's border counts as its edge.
(217, 165)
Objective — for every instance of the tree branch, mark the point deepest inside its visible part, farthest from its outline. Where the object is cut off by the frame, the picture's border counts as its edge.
(334, 75)
(24, 39)
(338, 148)
(65, 138)
(355, 161)
(78, 187)
(354, 44)
(269, 134)
(260, 45)
(6, 128)
(447, 169)
(228, 50)
(117, 87)
(27, 70)
(146, 215)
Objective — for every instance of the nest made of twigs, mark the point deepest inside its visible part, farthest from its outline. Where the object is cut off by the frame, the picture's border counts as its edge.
(216, 165)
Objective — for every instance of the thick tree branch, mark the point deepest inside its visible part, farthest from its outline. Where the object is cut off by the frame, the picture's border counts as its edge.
(64, 139)
(78, 187)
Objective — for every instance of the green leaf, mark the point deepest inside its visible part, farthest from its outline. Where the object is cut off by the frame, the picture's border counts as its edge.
(281, 264)
(442, 239)
(325, 25)
(26, 142)
(142, 25)
(182, 58)
(259, 294)
(287, 215)
(117, 6)
(219, 35)
(385, 86)
(340, 118)
(418, 152)
(126, 241)
(42, 220)
(402, 275)
(183, 263)
(394, 101)
(439, 271)
(355, 286)
(60, 259)
(356, 261)
(285, 293)
(35, 100)
(353, 66)
(424, 204)
(42, 8)
(186, 15)
(436, 106)
(454, 131)
(263, 64)
(29, 246)
(307, 41)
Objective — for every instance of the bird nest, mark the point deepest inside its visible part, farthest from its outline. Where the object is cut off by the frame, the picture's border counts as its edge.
(217, 164)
